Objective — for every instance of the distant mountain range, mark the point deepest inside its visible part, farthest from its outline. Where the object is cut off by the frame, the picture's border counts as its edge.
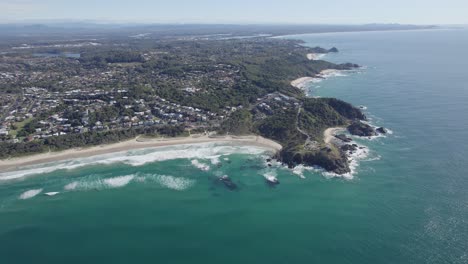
(80, 27)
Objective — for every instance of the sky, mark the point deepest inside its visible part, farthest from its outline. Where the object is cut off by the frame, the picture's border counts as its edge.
(239, 11)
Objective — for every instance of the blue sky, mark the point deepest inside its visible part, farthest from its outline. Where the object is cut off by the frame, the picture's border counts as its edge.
(240, 11)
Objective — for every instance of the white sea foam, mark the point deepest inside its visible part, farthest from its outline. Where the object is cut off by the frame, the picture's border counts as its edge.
(23, 173)
(139, 157)
(71, 186)
(273, 163)
(94, 182)
(326, 74)
(200, 165)
(299, 171)
(183, 152)
(117, 182)
(378, 157)
(175, 183)
(51, 193)
(215, 159)
(310, 82)
(363, 107)
(30, 194)
(354, 158)
(379, 135)
(270, 174)
(140, 179)
(86, 184)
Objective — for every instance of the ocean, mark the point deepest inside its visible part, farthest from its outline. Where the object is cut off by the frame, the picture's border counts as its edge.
(406, 201)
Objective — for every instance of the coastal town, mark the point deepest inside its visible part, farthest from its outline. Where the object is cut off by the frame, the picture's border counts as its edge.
(61, 94)
(54, 101)
(72, 87)
(37, 115)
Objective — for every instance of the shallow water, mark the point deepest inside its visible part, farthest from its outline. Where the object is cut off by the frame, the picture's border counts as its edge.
(407, 202)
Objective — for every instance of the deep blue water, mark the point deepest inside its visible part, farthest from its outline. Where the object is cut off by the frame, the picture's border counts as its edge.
(416, 84)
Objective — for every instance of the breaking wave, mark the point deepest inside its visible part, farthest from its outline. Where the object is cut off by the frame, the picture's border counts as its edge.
(71, 186)
(327, 74)
(215, 159)
(270, 174)
(93, 182)
(200, 165)
(360, 154)
(299, 171)
(30, 194)
(118, 181)
(175, 183)
(97, 183)
(139, 157)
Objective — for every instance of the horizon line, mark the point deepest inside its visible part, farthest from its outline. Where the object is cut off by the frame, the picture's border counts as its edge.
(246, 23)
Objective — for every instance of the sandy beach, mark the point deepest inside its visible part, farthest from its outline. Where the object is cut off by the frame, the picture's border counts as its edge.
(315, 56)
(137, 143)
(329, 134)
(302, 82)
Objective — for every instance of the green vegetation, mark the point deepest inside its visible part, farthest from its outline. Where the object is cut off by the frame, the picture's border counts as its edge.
(239, 123)
(99, 59)
(281, 127)
(8, 150)
(125, 87)
(18, 127)
(300, 130)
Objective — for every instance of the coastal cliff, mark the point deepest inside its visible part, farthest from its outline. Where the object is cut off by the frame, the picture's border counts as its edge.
(298, 122)
(298, 125)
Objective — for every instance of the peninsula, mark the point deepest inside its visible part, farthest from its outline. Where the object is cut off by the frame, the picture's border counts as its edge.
(65, 94)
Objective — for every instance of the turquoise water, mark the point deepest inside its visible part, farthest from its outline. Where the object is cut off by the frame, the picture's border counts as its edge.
(407, 202)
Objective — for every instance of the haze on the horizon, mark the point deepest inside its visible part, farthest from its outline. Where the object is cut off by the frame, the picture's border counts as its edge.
(239, 11)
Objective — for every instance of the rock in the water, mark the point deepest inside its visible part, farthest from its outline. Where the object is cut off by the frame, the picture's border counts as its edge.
(319, 50)
(228, 182)
(347, 66)
(344, 138)
(334, 49)
(349, 148)
(382, 130)
(360, 129)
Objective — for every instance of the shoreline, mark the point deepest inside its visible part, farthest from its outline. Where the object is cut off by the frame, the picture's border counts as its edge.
(315, 56)
(329, 134)
(136, 143)
(302, 82)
